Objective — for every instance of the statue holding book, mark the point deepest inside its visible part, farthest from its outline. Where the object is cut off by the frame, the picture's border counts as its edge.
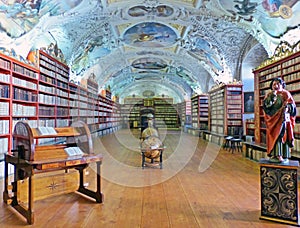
(279, 111)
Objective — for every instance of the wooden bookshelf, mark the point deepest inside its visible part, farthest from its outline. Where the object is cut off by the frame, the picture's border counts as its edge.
(200, 112)
(285, 63)
(184, 111)
(130, 112)
(249, 127)
(53, 92)
(18, 99)
(166, 115)
(226, 109)
(42, 95)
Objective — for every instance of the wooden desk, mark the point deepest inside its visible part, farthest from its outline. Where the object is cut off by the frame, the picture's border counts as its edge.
(29, 159)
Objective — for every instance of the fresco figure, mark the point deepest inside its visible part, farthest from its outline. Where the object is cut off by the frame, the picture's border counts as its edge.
(280, 111)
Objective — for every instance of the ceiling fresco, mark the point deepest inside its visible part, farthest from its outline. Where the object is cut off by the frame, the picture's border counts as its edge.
(150, 34)
(274, 16)
(173, 48)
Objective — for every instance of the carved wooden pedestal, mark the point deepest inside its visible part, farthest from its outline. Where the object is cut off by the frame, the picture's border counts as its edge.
(279, 192)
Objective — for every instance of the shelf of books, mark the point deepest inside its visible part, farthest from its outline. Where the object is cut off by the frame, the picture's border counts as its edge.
(42, 95)
(200, 112)
(73, 102)
(5, 118)
(166, 115)
(285, 63)
(19, 97)
(184, 111)
(226, 111)
(53, 92)
(130, 112)
(249, 127)
(93, 106)
(109, 115)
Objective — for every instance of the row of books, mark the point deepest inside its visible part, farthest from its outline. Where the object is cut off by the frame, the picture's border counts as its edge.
(46, 111)
(237, 100)
(217, 129)
(3, 145)
(31, 123)
(4, 78)
(4, 109)
(47, 89)
(24, 95)
(291, 69)
(234, 116)
(294, 86)
(24, 71)
(47, 71)
(23, 110)
(4, 64)
(4, 91)
(47, 79)
(62, 84)
(4, 127)
(269, 71)
(24, 83)
(62, 112)
(292, 77)
(291, 62)
(219, 121)
(92, 120)
(47, 99)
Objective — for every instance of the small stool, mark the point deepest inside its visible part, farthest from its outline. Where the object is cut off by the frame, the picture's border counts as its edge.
(227, 143)
(235, 144)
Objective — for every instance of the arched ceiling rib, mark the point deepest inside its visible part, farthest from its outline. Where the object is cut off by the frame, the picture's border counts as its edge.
(185, 45)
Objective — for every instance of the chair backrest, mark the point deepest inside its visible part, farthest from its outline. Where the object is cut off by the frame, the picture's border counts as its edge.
(238, 133)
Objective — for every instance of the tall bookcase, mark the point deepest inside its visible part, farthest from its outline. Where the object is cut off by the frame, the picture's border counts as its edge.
(285, 63)
(53, 92)
(250, 127)
(226, 109)
(184, 110)
(5, 103)
(42, 95)
(19, 97)
(166, 115)
(130, 112)
(200, 112)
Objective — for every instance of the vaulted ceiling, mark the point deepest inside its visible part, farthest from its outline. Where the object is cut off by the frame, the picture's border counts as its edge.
(150, 47)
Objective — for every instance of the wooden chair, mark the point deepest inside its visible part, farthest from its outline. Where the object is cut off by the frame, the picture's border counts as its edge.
(236, 141)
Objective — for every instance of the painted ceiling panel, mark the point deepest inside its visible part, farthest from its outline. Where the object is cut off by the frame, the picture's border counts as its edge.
(199, 43)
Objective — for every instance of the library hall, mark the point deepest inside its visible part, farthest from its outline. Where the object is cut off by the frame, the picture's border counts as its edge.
(149, 113)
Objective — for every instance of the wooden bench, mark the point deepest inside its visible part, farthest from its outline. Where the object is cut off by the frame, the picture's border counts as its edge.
(29, 157)
(213, 137)
(254, 150)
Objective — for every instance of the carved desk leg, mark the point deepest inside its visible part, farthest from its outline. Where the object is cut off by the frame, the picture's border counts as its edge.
(98, 196)
(28, 212)
(6, 197)
(13, 199)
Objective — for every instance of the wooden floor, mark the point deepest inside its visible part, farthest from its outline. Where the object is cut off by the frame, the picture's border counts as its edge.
(200, 185)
